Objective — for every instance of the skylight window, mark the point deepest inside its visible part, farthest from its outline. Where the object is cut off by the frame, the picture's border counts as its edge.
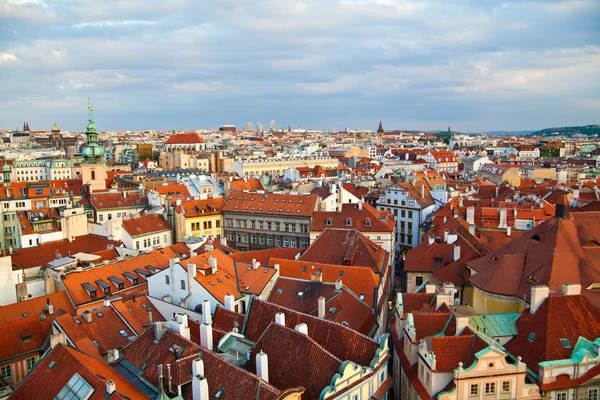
(123, 333)
(300, 294)
(566, 343)
(77, 389)
(531, 337)
(279, 291)
(361, 297)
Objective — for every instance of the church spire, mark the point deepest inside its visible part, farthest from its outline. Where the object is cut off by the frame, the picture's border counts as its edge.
(380, 129)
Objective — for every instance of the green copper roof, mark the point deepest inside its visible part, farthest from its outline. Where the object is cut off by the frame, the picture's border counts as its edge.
(495, 325)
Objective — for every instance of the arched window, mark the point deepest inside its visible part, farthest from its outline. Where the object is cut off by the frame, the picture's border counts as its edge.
(93, 175)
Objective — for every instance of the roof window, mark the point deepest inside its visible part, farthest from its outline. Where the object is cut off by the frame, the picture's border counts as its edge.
(279, 291)
(76, 388)
(566, 343)
(300, 294)
(123, 333)
(531, 337)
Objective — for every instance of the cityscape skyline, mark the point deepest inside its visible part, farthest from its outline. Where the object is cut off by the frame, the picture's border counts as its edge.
(476, 67)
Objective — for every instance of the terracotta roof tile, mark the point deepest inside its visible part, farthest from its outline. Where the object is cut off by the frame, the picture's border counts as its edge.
(273, 204)
(184, 138)
(145, 224)
(346, 247)
(45, 382)
(366, 220)
(341, 341)
(264, 256)
(225, 320)
(23, 335)
(284, 347)
(135, 311)
(36, 305)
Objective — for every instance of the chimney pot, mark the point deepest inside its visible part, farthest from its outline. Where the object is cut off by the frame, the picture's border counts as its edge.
(110, 386)
(302, 328)
(321, 307)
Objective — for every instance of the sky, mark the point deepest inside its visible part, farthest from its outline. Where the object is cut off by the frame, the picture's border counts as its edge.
(476, 65)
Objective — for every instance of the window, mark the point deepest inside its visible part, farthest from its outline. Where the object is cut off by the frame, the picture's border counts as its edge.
(474, 390)
(6, 372)
(505, 386)
(167, 282)
(269, 240)
(428, 378)
(77, 388)
(421, 369)
(30, 363)
(566, 344)
(531, 337)
(593, 394)
(261, 239)
(182, 284)
(218, 223)
(277, 241)
(561, 396)
(490, 388)
(419, 280)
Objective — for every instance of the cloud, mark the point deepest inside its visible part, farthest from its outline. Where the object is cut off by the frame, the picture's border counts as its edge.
(468, 63)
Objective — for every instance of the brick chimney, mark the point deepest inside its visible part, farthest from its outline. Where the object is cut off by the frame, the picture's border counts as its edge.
(321, 308)
(110, 386)
(571, 289)
(302, 328)
(206, 336)
(206, 312)
(229, 302)
(280, 318)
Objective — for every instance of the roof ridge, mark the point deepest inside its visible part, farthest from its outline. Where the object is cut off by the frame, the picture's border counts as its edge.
(317, 319)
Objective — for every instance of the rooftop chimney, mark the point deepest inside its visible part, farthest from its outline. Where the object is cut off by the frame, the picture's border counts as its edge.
(456, 252)
(149, 316)
(229, 302)
(255, 264)
(562, 208)
(112, 355)
(431, 239)
(206, 336)
(212, 262)
(472, 229)
(422, 190)
(321, 308)
(360, 206)
(471, 215)
(198, 366)
(87, 316)
(262, 366)
(430, 288)
(110, 386)
(539, 294)
(443, 298)
(191, 275)
(503, 222)
(158, 331)
(200, 388)
(446, 231)
(302, 328)
(508, 231)
(206, 312)
(338, 284)
(280, 318)
(571, 289)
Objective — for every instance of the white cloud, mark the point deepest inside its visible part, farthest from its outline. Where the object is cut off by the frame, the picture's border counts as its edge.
(109, 23)
(77, 84)
(6, 58)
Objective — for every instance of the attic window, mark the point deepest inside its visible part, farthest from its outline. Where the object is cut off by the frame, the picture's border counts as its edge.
(279, 291)
(592, 243)
(341, 273)
(367, 221)
(531, 337)
(361, 297)
(123, 333)
(219, 393)
(536, 238)
(533, 279)
(99, 314)
(348, 221)
(332, 309)
(303, 269)
(565, 342)
(300, 294)
(329, 222)
(95, 343)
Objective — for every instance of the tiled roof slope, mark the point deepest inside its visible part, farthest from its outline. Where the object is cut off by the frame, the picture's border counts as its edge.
(36, 305)
(46, 252)
(559, 317)
(360, 280)
(341, 341)
(144, 353)
(135, 311)
(110, 200)
(225, 320)
(145, 224)
(45, 382)
(249, 184)
(366, 220)
(540, 256)
(14, 332)
(158, 259)
(284, 347)
(184, 138)
(346, 247)
(198, 208)
(273, 204)
(265, 256)
(450, 350)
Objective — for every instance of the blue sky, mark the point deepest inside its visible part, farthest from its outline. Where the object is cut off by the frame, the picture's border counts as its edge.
(189, 64)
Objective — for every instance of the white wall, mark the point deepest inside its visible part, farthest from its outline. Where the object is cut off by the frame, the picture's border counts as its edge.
(8, 281)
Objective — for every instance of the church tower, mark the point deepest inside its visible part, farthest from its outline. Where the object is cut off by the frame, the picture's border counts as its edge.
(93, 169)
(380, 132)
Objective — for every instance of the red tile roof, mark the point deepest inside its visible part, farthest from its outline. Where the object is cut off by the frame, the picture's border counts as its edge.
(273, 204)
(564, 381)
(135, 311)
(45, 382)
(185, 138)
(284, 347)
(341, 341)
(429, 324)
(264, 256)
(346, 247)
(110, 200)
(249, 184)
(173, 189)
(360, 280)
(225, 320)
(36, 305)
(145, 224)
(198, 208)
(450, 350)
(559, 317)
(104, 328)
(341, 306)
(73, 281)
(366, 220)
(44, 253)
(539, 257)
(24, 335)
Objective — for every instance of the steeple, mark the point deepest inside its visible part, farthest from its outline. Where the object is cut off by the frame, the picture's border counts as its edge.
(93, 153)
(380, 129)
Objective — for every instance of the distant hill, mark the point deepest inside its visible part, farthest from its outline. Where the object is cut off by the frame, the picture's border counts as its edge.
(588, 130)
(509, 133)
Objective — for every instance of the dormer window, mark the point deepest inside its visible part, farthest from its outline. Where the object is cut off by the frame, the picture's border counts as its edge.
(348, 221)
(329, 222)
(367, 221)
